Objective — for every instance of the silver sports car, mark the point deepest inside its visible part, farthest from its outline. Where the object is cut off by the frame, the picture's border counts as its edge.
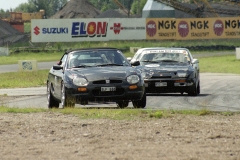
(168, 70)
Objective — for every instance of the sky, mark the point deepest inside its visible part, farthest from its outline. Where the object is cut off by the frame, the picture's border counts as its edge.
(7, 4)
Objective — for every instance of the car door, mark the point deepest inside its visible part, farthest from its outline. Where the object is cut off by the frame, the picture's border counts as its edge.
(195, 64)
(57, 77)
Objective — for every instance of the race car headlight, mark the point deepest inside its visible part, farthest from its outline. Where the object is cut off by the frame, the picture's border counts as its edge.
(182, 74)
(80, 81)
(143, 75)
(133, 79)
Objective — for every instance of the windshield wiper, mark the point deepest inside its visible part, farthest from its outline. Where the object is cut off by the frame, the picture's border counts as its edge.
(168, 60)
(81, 66)
(150, 61)
(109, 64)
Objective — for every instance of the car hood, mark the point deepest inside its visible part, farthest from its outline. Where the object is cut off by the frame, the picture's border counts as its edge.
(168, 67)
(99, 73)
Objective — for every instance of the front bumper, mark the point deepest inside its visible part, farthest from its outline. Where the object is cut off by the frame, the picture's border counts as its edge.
(93, 93)
(169, 85)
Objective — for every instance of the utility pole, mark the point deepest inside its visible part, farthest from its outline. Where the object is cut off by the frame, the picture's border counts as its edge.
(138, 7)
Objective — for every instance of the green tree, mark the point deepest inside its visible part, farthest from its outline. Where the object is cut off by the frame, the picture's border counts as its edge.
(4, 14)
(104, 5)
(49, 6)
(57, 5)
(25, 7)
(137, 6)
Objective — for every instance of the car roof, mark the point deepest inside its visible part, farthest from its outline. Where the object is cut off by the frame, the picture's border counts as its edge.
(152, 48)
(97, 48)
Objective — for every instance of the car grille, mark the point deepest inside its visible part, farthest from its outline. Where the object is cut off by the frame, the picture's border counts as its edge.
(104, 82)
(154, 77)
(98, 92)
(162, 75)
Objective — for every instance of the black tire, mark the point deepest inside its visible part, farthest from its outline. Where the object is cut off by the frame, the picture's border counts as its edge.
(195, 90)
(122, 104)
(51, 102)
(66, 101)
(140, 103)
(84, 102)
(198, 88)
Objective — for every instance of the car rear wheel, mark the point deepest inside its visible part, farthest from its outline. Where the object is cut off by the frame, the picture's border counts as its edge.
(66, 101)
(122, 104)
(51, 102)
(140, 103)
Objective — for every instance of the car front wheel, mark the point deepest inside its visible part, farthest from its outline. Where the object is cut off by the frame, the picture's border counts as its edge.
(51, 102)
(66, 101)
(122, 104)
(140, 103)
(195, 90)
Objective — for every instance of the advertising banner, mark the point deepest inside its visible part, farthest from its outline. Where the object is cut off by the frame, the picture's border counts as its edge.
(105, 29)
(192, 28)
(69, 30)
(164, 28)
(230, 29)
(127, 29)
(77, 30)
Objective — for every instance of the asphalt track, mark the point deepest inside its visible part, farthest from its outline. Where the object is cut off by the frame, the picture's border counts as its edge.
(219, 92)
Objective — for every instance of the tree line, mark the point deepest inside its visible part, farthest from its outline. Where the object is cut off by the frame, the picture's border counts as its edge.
(52, 6)
(49, 6)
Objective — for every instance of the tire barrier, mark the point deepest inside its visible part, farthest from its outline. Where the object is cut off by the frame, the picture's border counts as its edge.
(209, 48)
(200, 48)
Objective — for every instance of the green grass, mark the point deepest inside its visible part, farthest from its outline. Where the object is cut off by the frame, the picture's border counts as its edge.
(220, 64)
(117, 114)
(52, 51)
(21, 110)
(39, 57)
(27, 27)
(24, 79)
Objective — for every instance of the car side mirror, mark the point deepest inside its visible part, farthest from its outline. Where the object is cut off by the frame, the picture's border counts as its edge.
(195, 61)
(129, 59)
(57, 67)
(59, 63)
(136, 63)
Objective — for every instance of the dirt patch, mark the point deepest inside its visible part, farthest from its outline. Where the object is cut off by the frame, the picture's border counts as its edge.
(57, 136)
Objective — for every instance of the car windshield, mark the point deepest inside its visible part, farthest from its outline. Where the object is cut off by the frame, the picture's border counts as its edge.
(164, 57)
(96, 58)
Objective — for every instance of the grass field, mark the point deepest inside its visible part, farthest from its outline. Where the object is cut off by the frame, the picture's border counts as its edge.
(117, 114)
(217, 64)
(212, 64)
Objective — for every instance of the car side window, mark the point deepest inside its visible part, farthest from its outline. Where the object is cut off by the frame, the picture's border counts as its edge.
(187, 56)
(190, 56)
(63, 60)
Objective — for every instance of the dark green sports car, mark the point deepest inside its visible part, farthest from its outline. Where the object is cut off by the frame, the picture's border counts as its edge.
(95, 75)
